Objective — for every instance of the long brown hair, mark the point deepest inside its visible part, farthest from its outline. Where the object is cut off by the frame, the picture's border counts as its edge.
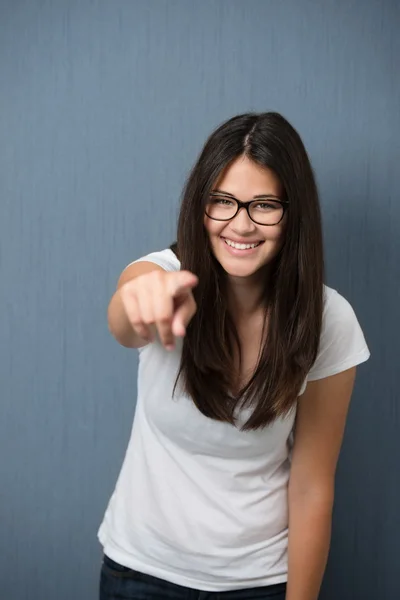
(295, 291)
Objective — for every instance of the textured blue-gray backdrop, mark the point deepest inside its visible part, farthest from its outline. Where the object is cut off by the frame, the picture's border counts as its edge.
(104, 105)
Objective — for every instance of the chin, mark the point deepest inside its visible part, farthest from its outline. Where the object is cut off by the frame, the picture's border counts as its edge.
(238, 271)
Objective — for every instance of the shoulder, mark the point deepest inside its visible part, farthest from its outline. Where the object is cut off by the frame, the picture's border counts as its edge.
(342, 342)
(166, 259)
(337, 309)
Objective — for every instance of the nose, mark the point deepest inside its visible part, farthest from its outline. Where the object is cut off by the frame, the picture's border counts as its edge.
(242, 223)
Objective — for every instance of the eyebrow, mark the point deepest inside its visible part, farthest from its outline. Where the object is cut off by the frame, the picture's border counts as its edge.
(258, 197)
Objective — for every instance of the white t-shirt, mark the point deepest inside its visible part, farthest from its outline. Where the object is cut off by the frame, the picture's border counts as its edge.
(201, 503)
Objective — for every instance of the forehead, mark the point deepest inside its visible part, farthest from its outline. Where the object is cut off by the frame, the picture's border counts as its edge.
(244, 179)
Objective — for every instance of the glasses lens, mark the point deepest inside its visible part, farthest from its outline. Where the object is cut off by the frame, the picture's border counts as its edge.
(221, 209)
(266, 212)
(263, 211)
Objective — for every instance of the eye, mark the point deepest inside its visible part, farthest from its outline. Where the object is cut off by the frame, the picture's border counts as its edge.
(222, 201)
(267, 206)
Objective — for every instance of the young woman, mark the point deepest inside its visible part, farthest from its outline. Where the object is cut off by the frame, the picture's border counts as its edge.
(246, 368)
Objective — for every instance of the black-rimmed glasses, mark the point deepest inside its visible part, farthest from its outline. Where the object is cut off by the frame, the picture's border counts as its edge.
(265, 210)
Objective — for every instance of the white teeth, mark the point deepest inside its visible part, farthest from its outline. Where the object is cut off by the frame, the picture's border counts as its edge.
(241, 246)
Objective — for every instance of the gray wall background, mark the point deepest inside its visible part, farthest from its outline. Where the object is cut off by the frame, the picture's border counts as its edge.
(104, 107)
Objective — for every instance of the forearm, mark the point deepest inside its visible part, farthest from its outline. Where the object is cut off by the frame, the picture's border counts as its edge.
(310, 519)
(118, 323)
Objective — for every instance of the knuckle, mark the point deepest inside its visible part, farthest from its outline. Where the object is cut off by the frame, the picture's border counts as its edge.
(148, 320)
(125, 292)
(128, 294)
(164, 323)
(136, 322)
(164, 319)
(130, 286)
(157, 276)
(141, 331)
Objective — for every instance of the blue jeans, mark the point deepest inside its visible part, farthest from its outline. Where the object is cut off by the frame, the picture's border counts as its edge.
(118, 582)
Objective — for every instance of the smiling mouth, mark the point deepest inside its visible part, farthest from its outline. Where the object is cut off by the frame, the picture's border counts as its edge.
(239, 246)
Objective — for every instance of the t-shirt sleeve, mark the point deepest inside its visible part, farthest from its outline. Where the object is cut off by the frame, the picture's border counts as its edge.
(342, 343)
(166, 259)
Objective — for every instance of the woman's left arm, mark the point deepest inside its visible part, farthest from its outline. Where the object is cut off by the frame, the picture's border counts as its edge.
(320, 423)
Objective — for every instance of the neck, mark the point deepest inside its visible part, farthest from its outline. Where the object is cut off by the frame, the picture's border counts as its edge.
(246, 295)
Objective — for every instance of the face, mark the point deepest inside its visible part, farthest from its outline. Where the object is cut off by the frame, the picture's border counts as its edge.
(244, 180)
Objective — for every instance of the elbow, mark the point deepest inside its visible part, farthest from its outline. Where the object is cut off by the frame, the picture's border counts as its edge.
(123, 338)
(318, 495)
(123, 335)
(125, 342)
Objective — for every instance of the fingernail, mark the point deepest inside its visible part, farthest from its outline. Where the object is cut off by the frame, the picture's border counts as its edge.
(169, 347)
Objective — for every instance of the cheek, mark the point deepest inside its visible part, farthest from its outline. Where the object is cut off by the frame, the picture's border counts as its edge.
(212, 227)
(276, 237)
